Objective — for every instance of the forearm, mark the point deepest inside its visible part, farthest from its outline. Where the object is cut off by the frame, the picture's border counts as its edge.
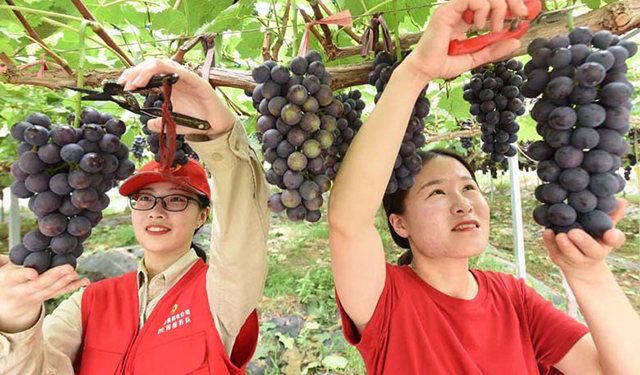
(364, 174)
(11, 323)
(613, 323)
(240, 223)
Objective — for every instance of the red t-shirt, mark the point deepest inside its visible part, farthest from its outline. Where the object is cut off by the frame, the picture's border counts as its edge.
(507, 328)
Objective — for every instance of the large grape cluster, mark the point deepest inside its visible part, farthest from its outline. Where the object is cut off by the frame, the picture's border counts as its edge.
(298, 118)
(183, 150)
(408, 162)
(496, 101)
(348, 125)
(65, 172)
(582, 116)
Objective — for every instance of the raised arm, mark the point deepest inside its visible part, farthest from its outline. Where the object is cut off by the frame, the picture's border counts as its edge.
(614, 343)
(238, 261)
(357, 255)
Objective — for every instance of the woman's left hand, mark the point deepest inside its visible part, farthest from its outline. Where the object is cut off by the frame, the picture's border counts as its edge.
(191, 95)
(580, 256)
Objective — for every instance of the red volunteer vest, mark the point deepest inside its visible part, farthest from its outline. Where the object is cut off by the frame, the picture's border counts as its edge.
(179, 337)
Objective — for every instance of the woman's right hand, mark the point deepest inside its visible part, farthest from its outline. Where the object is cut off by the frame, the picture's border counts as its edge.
(22, 292)
(430, 58)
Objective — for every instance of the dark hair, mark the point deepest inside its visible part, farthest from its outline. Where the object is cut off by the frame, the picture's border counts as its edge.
(394, 203)
(203, 202)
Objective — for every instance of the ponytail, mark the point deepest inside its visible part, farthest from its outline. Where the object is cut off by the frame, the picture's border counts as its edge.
(406, 258)
(199, 251)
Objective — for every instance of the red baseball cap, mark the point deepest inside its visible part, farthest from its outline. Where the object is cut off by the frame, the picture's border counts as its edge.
(192, 172)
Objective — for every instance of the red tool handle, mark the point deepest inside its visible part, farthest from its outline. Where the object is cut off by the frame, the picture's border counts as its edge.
(534, 7)
(460, 47)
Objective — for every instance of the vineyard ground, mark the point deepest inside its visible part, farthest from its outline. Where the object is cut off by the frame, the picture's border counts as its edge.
(300, 329)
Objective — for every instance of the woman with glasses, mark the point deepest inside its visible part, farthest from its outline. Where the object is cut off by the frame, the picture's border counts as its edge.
(178, 314)
(431, 314)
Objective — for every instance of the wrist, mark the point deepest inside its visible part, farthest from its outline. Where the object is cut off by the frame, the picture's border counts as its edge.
(20, 322)
(226, 125)
(595, 274)
(412, 78)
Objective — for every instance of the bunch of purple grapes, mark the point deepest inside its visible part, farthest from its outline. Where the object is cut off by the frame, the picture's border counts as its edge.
(65, 172)
(298, 118)
(408, 162)
(466, 142)
(183, 150)
(496, 101)
(582, 116)
(347, 127)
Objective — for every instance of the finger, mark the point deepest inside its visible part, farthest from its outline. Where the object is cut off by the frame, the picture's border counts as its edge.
(52, 289)
(619, 212)
(49, 277)
(568, 249)
(586, 244)
(71, 287)
(498, 11)
(548, 237)
(148, 71)
(494, 51)
(20, 275)
(613, 238)
(3, 260)
(155, 125)
(517, 8)
(480, 10)
(130, 74)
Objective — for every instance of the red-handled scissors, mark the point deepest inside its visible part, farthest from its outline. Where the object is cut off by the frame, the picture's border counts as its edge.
(521, 25)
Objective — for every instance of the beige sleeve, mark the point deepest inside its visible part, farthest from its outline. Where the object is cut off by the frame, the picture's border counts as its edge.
(49, 347)
(240, 224)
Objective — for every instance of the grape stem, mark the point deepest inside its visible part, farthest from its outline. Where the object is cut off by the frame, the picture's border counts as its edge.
(396, 30)
(570, 24)
(80, 71)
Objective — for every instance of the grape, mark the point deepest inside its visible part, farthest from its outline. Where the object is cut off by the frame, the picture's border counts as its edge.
(562, 118)
(583, 201)
(79, 179)
(596, 223)
(40, 261)
(84, 198)
(62, 259)
(580, 35)
(612, 94)
(275, 203)
(292, 180)
(561, 214)
(553, 193)
(109, 143)
(309, 190)
(603, 184)
(607, 204)
(574, 179)
(89, 115)
(568, 157)
(34, 240)
(590, 74)
(17, 130)
(585, 138)
(63, 243)
(94, 217)
(313, 216)
(17, 173)
(291, 198)
(71, 153)
(548, 171)
(36, 135)
(18, 253)
(53, 224)
(49, 153)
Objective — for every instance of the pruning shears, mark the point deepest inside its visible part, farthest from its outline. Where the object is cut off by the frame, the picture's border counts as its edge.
(110, 89)
(519, 26)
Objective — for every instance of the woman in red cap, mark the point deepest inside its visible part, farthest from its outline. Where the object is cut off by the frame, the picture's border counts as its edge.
(431, 314)
(176, 314)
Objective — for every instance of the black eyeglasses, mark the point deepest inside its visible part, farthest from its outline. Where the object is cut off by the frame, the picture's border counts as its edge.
(172, 203)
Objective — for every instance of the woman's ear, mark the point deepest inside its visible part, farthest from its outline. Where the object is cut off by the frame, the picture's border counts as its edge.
(399, 225)
(202, 216)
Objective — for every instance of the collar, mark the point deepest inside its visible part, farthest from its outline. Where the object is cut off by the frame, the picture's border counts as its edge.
(172, 274)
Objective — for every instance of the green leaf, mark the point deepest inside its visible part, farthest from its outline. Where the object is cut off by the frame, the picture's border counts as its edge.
(593, 4)
(334, 362)
(286, 340)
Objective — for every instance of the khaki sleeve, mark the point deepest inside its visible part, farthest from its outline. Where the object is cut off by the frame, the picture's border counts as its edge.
(240, 224)
(49, 347)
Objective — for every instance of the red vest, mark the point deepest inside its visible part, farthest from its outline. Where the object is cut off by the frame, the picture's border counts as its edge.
(179, 337)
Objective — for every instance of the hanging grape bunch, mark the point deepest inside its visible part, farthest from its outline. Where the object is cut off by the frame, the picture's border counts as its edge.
(183, 150)
(582, 116)
(298, 116)
(408, 163)
(631, 160)
(466, 142)
(65, 172)
(345, 130)
(137, 148)
(496, 101)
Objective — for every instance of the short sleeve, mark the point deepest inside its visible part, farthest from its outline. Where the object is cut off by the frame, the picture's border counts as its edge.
(376, 331)
(553, 333)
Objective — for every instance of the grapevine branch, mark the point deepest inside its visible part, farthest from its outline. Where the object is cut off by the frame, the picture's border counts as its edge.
(98, 29)
(619, 17)
(34, 35)
(454, 135)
